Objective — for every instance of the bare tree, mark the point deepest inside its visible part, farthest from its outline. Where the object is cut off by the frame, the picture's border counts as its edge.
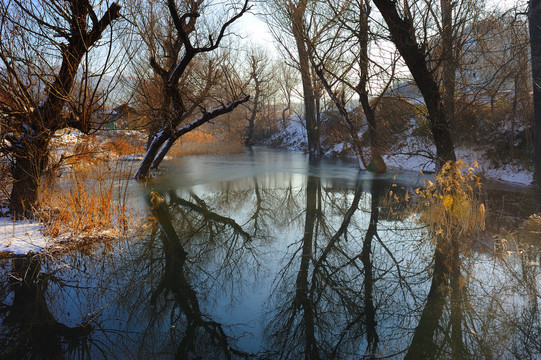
(534, 18)
(403, 35)
(259, 72)
(44, 58)
(173, 48)
(342, 61)
(290, 18)
(287, 83)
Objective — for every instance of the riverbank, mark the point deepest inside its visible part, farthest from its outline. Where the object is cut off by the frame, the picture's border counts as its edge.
(414, 153)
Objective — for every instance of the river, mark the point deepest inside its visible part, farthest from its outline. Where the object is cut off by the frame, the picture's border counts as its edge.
(265, 255)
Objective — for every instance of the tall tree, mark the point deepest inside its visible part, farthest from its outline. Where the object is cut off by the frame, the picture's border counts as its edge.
(170, 58)
(342, 59)
(259, 73)
(44, 53)
(534, 19)
(448, 58)
(289, 17)
(402, 30)
(297, 13)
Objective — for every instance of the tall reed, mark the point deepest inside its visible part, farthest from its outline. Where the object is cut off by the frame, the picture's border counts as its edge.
(89, 201)
(453, 204)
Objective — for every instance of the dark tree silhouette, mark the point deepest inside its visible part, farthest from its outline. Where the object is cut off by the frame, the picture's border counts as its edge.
(42, 47)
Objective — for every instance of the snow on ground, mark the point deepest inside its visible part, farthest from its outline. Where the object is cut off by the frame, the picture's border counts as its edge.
(510, 173)
(293, 137)
(21, 237)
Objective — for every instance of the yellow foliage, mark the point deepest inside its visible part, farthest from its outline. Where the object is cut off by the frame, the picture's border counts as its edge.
(452, 203)
(447, 201)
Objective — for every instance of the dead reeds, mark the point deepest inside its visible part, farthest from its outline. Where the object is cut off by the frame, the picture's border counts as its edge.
(89, 201)
(453, 204)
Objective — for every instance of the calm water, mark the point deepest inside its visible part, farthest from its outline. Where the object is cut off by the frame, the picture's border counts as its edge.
(263, 255)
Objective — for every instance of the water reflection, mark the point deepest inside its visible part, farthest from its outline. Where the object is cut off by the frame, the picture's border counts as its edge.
(29, 328)
(199, 333)
(276, 263)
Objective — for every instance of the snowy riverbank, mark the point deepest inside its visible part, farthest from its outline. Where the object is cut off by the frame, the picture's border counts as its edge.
(411, 154)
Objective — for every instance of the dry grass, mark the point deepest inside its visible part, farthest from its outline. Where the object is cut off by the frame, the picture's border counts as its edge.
(123, 146)
(90, 201)
(200, 143)
(96, 149)
(452, 206)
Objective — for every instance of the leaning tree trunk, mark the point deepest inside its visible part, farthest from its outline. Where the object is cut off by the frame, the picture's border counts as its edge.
(534, 18)
(157, 150)
(155, 145)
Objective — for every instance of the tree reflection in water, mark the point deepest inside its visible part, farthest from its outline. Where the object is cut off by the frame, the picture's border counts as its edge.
(313, 269)
(29, 329)
(201, 335)
(331, 307)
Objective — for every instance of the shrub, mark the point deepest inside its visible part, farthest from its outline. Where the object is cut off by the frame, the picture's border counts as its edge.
(393, 116)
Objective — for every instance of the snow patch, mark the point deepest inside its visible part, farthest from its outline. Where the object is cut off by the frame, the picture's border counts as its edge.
(413, 153)
(133, 157)
(510, 173)
(21, 237)
(293, 137)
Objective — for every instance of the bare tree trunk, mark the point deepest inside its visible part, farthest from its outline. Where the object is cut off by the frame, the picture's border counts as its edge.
(249, 140)
(155, 146)
(31, 125)
(312, 127)
(376, 161)
(534, 18)
(157, 150)
(448, 59)
(352, 127)
(402, 35)
(28, 166)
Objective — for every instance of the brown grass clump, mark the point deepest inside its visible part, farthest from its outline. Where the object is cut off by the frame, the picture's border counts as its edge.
(452, 206)
(90, 201)
(122, 146)
(97, 148)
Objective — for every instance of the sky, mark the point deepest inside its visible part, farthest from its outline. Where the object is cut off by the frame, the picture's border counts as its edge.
(255, 31)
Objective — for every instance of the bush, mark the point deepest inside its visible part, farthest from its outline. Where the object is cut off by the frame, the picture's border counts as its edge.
(452, 205)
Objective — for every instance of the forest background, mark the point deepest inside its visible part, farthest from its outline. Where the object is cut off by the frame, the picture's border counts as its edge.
(375, 80)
